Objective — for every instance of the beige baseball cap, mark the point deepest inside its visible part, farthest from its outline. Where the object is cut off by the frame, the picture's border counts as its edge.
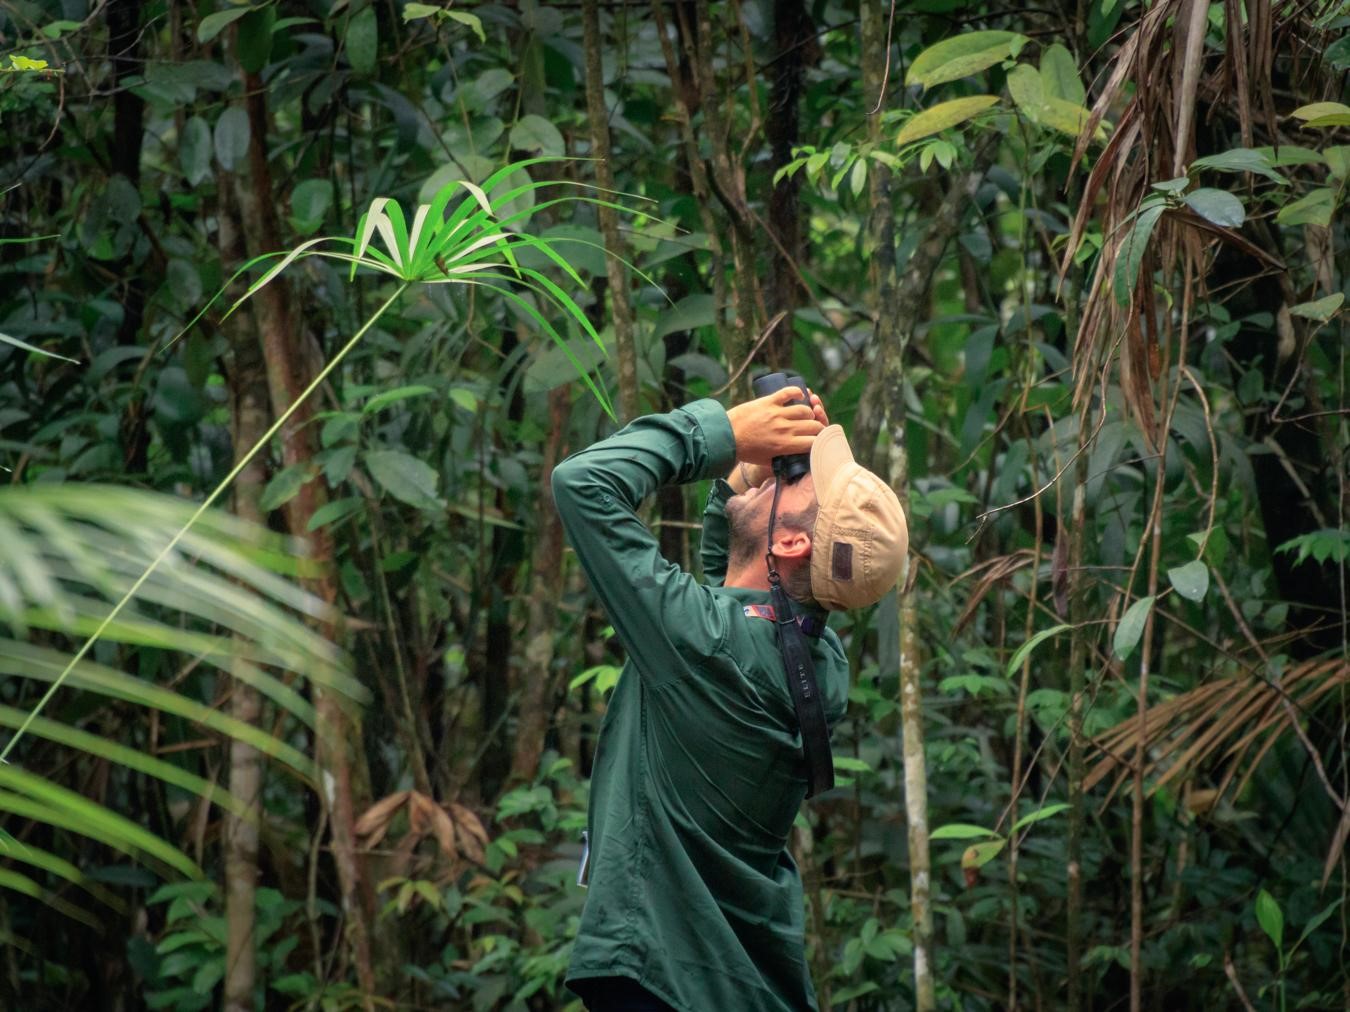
(860, 538)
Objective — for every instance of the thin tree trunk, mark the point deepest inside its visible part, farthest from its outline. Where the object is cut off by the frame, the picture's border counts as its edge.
(728, 184)
(338, 738)
(1078, 659)
(546, 590)
(793, 34)
(251, 417)
(685, 90)
(609, 222)
(1152, 531)
(904, 302)
(893, 327)
(1019, 733)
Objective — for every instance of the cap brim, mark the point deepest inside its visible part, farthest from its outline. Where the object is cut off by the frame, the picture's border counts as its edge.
(830, 457)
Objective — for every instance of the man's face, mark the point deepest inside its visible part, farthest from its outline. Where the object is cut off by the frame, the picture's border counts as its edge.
(748, 514)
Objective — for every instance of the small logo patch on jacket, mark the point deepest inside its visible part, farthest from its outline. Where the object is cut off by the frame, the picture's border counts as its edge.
(842, 563)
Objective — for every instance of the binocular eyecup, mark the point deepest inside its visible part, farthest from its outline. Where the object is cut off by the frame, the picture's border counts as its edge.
(788, 468)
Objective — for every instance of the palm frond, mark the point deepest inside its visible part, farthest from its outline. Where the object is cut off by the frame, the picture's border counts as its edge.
(1226, 726)
(219, 596)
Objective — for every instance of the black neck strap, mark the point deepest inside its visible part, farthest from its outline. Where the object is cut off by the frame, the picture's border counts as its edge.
(801, 673)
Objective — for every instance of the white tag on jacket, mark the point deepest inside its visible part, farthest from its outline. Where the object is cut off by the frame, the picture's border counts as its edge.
(582, 880)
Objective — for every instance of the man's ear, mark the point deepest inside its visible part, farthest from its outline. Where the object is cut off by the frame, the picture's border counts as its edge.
(791, 544)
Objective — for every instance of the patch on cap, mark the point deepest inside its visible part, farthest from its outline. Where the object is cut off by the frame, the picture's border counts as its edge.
(841, 566)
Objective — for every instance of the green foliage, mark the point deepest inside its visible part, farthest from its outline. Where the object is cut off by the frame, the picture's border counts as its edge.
(442, 406)
(182, 970)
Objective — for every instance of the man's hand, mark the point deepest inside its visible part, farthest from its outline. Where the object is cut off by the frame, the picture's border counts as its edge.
(773, 426)
(746, 476)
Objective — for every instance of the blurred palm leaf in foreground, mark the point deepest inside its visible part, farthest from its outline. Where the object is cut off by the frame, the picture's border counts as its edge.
(220, 602)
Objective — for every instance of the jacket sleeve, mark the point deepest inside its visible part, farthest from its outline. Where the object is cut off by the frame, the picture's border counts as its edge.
(660, 612)
(712, 548)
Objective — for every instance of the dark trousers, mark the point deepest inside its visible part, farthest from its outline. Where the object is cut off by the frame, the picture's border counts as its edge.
(618, 994)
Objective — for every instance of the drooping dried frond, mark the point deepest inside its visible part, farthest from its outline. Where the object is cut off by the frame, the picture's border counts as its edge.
(1179, 84)
(1227, 725)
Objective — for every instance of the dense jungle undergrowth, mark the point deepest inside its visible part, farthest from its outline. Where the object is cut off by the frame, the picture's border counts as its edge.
(1073, 277)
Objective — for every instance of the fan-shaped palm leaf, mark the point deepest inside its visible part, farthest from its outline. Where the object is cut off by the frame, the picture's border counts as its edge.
(219, 596)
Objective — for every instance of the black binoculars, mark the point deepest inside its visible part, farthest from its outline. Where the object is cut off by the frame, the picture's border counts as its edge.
(787, 468)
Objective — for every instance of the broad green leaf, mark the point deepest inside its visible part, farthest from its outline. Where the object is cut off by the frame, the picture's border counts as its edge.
(1066, 117)
(980, 854)
(961, 831)
(1313, 208)
(1291, 154)
(1320, 110)
(961, 56)
(1131, 627)
(362, 40)
(213, 24)
(942, 116)
(310, 201)
(1241, 160)
(333, 511)
(231, 139)
(285, 486)
(1338, 161)
(253, 39)
(1027, 88)
(1218, 206)
(405, 478)
(1040, 814)
(1270, 917)
(1191, 580)
(690, 313)
(1320, 310)
(1329, 543)
(382, 400)
(1172, 185)
(471, 20)
(1060, 76)
(412, 12)
(1132, 250)
(464, 398)
(858, 177)
(1314, 923)
(1026, 648)
(1338, 53)
(537, 135)
(194, 150)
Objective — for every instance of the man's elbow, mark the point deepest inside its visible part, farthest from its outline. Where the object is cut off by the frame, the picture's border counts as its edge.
(565, 482)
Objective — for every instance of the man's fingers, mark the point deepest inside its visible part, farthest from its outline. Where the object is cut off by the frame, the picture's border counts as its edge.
(786, 395)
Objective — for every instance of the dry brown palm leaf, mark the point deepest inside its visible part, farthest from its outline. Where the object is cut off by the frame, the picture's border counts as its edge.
(374, 822)
(1162, 83)
(1228, 724)
(473, 838)
(993, 570)
(457, 830)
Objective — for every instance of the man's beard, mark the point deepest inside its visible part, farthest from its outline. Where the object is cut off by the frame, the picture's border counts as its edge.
(747, 533)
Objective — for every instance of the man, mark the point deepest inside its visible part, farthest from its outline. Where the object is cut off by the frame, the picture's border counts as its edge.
(694, 901)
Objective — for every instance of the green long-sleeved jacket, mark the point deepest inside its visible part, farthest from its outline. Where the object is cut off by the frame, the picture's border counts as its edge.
(698, 770)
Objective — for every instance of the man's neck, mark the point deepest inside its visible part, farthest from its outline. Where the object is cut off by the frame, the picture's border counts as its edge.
(748, 577)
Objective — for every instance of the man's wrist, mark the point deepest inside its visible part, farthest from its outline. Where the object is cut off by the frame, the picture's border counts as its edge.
(718, 438)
